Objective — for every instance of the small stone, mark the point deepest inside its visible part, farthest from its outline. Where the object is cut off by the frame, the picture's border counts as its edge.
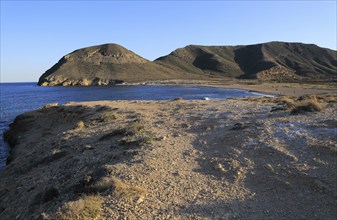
(269, 167)
(176, 173)
(88, 147)
(140, 200)
(159, 138)
(239, 126)
(219, 167)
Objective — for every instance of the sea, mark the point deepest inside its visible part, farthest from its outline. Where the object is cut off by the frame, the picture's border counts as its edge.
(17, 98)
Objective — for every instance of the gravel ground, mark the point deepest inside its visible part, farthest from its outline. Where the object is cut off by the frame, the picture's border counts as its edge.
(231, 159)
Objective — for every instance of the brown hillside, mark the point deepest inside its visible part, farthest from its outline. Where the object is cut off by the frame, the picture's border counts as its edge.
(273, 61)
(106, 64)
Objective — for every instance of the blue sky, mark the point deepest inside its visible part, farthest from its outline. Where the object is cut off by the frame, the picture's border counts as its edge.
(36, 34)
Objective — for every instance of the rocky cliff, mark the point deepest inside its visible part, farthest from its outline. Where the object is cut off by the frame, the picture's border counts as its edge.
(274, 61)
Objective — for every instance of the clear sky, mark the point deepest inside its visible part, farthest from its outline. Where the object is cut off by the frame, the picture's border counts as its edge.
(36, 34)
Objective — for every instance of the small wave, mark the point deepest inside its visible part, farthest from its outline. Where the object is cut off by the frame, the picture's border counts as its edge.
(262, 94)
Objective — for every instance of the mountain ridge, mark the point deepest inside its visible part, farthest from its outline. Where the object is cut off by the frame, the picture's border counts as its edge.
(272, 61)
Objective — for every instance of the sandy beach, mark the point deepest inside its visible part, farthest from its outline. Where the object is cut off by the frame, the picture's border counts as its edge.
(285, 89)
(254, 158)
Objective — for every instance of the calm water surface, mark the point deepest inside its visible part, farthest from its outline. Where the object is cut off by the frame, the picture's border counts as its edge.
(16, 98)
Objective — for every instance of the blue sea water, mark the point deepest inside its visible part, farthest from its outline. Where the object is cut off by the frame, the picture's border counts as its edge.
(16, 98)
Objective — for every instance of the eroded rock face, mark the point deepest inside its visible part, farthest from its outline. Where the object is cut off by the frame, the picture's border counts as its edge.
(278, 74)
(83, 82)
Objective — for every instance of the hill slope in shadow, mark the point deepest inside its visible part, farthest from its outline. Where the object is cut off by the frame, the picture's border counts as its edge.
(273, 61)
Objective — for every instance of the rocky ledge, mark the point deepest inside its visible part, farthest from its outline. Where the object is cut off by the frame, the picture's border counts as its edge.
(60, 81)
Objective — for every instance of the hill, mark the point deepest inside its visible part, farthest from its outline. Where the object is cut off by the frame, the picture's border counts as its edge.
(103, 65)
(273, 61)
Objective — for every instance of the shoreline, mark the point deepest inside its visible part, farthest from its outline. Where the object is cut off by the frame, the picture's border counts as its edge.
(286, 89)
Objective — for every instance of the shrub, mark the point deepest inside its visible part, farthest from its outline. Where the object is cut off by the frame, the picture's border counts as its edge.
(80, 125)
(105, 117)
(110, 184)
(287, 102)
(123, 190)
(87, 207)
(308, 106)
(108, 116)
(135, 128)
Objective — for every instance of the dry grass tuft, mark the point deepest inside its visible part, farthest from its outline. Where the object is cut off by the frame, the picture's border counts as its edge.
(307, 98)
(135, 128)
(136, 134)
(50, 105)
(88, 207)
(108, 117)
(307, 106)
(80, 125)
(108, 184)
(123, 190)
(101, 186)
(287, 102)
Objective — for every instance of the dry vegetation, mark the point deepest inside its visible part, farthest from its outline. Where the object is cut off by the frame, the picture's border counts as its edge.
(89, 204)
(296, 105)
(87, 207)
(307, 106)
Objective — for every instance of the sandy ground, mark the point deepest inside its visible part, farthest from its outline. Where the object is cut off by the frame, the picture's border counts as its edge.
(231, 159)
(288, 89)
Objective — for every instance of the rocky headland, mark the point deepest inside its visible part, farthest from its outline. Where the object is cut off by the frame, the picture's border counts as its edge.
(110, 64)
(253, 158)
